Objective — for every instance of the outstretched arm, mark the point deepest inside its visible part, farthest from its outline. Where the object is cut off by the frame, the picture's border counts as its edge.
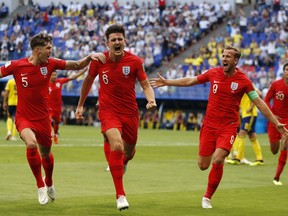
(86, 87)
(80, 64)
(149, 93)
(262, 106)
(75, 76)
(161, 81)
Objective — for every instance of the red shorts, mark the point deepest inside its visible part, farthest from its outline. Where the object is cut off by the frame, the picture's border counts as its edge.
(212, 138)
(42, 129)
(55, 115)
(273, 133)
(127, 125)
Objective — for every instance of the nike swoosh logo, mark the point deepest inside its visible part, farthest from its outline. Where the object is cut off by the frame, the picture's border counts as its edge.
(24, 74)
(105, 71)
(216, 81)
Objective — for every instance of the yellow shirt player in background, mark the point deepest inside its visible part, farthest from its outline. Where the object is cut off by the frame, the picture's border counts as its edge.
(10, 104)
(249, 117)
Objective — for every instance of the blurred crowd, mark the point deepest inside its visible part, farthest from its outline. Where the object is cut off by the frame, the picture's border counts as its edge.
(157, 34)
(154, 33)
(262, 36)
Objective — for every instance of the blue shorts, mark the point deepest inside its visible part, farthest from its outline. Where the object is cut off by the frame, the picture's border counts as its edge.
(12, 111)
(248, 124)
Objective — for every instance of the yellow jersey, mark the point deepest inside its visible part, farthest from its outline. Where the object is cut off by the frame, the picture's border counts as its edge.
(244, 106)
(12, 95)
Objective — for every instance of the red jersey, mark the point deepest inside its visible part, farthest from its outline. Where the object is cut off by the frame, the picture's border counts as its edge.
(55, 94)
(278, 91)
(32, 86)
(117, 83)
(161, 3)
(225, 96)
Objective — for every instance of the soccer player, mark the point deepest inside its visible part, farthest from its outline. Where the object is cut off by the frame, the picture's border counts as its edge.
(10, 101)
(55, 100)
(249, 117)
(278, 93)
(219, 128)
(32, 77)
(118, 109)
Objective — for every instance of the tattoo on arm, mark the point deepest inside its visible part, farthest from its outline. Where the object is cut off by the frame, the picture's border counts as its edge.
(72, 65)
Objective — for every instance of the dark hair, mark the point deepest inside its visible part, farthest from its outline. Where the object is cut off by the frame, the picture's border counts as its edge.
(40, 39)
(285, 65)
(115, 28)
(237, 54)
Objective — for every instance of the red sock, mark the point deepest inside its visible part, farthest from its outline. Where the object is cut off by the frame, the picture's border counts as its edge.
(214, 179)
(107, 150)
(281, 163)
(125, 159)
(48, 165)
(117, 170)
(34, 161)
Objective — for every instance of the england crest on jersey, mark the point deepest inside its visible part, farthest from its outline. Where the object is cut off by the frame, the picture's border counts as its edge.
(44, 71)
(126, 70)
(234, 86)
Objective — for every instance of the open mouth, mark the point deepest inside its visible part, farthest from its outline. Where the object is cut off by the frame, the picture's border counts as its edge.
(117, 49)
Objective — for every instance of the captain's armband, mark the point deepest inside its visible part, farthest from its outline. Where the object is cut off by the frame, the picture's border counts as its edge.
(252, 95)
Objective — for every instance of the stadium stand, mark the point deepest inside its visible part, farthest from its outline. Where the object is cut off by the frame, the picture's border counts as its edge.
(82, 26)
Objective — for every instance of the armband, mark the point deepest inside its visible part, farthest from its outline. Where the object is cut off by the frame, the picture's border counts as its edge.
(252, 95)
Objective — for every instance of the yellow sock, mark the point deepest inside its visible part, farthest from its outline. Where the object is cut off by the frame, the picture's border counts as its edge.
(257, 149)
(14, 131)
(241, 147)
(9, 124)
(235, 147)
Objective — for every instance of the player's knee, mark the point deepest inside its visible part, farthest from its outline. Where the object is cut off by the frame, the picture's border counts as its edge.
(116, 146)
(31, 144)
(203, 166)
(274, 150)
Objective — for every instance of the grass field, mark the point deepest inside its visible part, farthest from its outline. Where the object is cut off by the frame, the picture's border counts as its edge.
(163, 179)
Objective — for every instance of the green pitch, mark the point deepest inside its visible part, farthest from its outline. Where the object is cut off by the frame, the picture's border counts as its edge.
(163, 179)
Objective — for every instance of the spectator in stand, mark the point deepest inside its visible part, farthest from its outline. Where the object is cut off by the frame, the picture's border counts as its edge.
(148, 62)
(204, 25)
(4, 54)
(243, 20)
(190, 72)
(237, 38)
(262, 75)
(4, 10)
(227, 8)
(213, 61)
(161, 6)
